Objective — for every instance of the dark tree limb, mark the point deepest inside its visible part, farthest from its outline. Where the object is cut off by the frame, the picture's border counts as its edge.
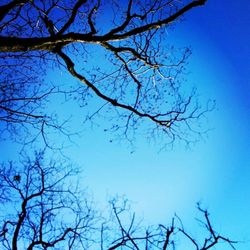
(140, 75)
(15, 44)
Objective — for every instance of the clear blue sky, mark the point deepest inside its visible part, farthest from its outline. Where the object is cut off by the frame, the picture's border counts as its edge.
(215, 171)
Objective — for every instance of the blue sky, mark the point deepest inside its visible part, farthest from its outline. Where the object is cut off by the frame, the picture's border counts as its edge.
(215, 171)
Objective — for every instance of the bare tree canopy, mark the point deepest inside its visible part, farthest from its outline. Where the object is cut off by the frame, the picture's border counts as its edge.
(42, 207)
(118, 50)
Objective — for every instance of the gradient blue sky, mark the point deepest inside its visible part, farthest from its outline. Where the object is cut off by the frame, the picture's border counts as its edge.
(215, 171)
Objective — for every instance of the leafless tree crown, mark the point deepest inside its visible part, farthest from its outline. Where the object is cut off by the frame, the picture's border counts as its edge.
(42, 207)
(118, 50)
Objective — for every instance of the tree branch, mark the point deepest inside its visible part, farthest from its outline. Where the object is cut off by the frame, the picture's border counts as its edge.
(17, 44)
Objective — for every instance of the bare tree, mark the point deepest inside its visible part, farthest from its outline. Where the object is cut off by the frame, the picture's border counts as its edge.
(42, 207)
(128, 233)
(118, 50)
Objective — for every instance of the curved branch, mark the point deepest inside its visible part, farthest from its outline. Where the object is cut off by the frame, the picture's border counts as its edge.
(77, 6)
(71, 68)
(17, 44)
(4, 9)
